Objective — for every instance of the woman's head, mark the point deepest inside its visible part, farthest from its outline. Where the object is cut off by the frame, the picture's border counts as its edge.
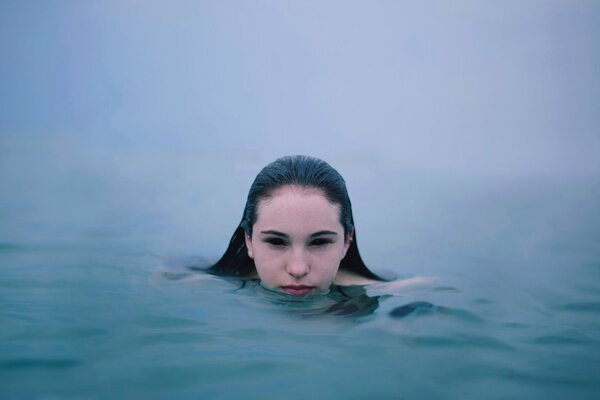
(297, 241)
(302, 171)
(297, 229)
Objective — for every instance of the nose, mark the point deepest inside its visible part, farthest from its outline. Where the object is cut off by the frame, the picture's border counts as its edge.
(298, 265)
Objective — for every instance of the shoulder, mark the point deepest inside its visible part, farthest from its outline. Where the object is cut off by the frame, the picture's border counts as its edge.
(401, 285)
(347, 278)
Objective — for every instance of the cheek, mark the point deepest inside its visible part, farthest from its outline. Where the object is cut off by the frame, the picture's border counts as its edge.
(268, 266)
(330, 261)
(265, 258)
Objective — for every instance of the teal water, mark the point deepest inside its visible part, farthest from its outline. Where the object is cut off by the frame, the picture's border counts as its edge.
(514, 313)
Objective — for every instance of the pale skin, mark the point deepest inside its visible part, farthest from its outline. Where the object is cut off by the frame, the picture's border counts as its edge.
(297, 244)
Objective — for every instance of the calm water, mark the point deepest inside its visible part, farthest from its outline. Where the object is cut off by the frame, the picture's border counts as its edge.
(94, 312)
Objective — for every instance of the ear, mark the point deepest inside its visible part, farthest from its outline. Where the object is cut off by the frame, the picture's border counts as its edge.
(249, 246)
(348, 241)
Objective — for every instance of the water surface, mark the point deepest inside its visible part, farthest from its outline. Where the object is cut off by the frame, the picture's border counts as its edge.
(515, 311)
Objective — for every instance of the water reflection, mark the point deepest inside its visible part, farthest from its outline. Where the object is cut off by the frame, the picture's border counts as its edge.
(344, 301)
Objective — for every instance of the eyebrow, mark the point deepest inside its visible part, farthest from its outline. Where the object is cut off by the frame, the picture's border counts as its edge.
(284, 235)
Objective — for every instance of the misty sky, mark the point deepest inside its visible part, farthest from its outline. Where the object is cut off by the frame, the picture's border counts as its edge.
(505, 87)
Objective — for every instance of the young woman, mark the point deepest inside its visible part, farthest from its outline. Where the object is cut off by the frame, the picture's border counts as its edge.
(297, 232)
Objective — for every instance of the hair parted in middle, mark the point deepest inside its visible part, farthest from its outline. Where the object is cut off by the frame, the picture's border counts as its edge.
(303, 171)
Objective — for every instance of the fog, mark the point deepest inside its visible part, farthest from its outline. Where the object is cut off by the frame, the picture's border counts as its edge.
(130, 111)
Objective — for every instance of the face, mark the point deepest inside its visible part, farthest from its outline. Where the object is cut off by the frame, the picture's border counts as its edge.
(297, 241)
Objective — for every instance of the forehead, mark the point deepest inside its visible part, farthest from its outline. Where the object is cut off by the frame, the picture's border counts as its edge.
(299, 209)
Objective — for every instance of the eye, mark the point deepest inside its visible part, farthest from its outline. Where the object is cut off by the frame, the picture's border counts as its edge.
(275, 241)
(321, 242)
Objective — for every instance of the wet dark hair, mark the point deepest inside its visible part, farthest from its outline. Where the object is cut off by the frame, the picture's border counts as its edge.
(304, 171)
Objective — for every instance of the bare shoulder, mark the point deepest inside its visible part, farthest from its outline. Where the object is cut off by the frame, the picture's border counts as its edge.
(398, 286)
(346, 278)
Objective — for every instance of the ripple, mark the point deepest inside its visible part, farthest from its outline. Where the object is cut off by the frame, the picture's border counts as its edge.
(415, 307)
(32, 363)
(57, 334)
(175, 276)
(559, 340)
(515, 325)
(10, 247)
(248, 333)
(582, 307)
(565, 337)
(160, 321)
(446, 289)
(420, 308)
(177, 337)
(458, 341)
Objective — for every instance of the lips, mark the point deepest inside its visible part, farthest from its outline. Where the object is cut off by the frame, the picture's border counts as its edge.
(297, 290)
